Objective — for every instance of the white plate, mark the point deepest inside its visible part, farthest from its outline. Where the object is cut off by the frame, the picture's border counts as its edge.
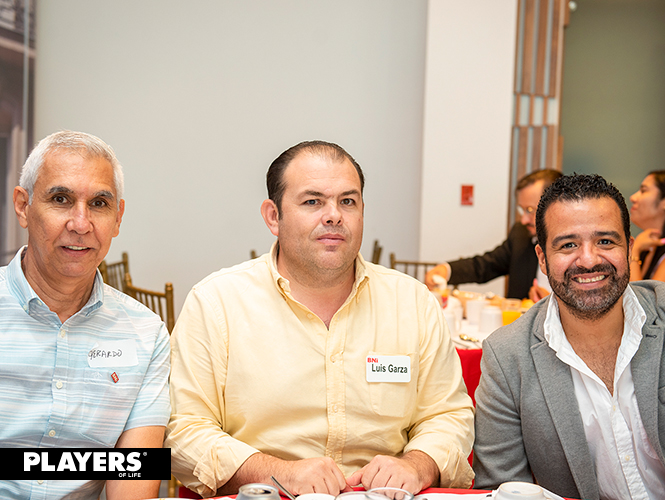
(315, 496)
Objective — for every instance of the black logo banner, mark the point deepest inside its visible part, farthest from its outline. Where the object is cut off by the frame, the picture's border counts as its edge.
(86, 463)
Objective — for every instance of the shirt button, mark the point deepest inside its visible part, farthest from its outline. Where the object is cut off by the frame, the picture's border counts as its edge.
(59, 384)
(51, 433)
(310, 315)
(334, 408)
(627, 458)
(40, 481)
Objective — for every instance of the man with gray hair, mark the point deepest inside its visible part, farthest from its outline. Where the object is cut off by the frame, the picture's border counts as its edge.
(55, 311)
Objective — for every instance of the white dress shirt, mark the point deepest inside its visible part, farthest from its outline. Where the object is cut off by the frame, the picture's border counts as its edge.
(626, 464)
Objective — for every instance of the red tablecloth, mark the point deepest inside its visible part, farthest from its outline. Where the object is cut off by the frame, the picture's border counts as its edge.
(470, 359)
(452, 490)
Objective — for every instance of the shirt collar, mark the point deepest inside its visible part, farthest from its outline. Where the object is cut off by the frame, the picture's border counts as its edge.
(634, 319)
(26, 296)
(284, 286)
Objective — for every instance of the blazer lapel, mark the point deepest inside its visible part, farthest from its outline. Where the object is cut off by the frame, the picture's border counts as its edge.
(557, 386)
(645, 368)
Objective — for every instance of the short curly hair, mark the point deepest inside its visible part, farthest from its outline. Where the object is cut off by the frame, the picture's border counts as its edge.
(578, 187)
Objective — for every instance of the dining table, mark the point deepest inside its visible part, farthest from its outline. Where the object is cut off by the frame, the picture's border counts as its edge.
(438, 494)
(451, 492)
(434, 494)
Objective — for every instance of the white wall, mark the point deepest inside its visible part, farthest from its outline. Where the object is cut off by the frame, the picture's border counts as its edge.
(197, 98)
(468, 114)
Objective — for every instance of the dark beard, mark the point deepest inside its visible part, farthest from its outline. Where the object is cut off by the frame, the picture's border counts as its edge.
(590, 304)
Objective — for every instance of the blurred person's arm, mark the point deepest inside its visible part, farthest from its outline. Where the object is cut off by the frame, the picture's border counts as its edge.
(537, 292)
(646, 241)
(493, 263)
(442, 270)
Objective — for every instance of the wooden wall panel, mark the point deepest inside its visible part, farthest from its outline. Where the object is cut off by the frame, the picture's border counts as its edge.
(538, 67)
(536, 146)
(528, 46)
(523, 151)
(556, 66)
(541, 52)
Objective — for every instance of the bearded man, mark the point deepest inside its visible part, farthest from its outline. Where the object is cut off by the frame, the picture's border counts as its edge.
(572, 394)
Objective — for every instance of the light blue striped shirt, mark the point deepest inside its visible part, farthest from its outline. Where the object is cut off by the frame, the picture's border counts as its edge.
(80, 383)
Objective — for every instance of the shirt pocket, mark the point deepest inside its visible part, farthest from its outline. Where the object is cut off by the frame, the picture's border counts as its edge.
(395, 399)
(107, 400)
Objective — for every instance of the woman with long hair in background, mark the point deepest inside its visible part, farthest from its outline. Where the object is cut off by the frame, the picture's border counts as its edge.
(648, 213)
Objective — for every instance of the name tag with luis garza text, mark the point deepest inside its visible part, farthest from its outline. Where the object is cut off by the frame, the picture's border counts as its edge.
(115, 353)
(388, 368)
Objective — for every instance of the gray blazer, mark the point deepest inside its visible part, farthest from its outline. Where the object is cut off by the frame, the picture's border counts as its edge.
(528, 424)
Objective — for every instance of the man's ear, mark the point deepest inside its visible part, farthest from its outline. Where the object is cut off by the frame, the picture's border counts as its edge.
(270, 215)
(21, 205)
(541, 259)
(118, 217)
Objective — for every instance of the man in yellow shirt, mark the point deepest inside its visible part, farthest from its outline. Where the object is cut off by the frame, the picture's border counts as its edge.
(310, 364)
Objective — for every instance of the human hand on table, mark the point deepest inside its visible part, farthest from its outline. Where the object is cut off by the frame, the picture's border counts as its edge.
(537, 292)
(414, 471)
(312, 475)
(309, 475)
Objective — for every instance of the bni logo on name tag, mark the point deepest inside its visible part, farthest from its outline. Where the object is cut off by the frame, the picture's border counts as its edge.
(388, 368)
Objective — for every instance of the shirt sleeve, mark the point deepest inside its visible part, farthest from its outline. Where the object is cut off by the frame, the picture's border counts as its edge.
(203, 456)
(482, 268)
(152, 405)
(443, 421)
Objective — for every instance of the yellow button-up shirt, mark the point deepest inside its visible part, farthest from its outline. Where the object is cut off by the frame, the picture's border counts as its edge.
(254, 370)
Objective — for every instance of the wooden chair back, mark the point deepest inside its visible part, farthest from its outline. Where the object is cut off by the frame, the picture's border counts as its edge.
(376, 252)
(114, 273)
(160, 303)
(411, 267)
